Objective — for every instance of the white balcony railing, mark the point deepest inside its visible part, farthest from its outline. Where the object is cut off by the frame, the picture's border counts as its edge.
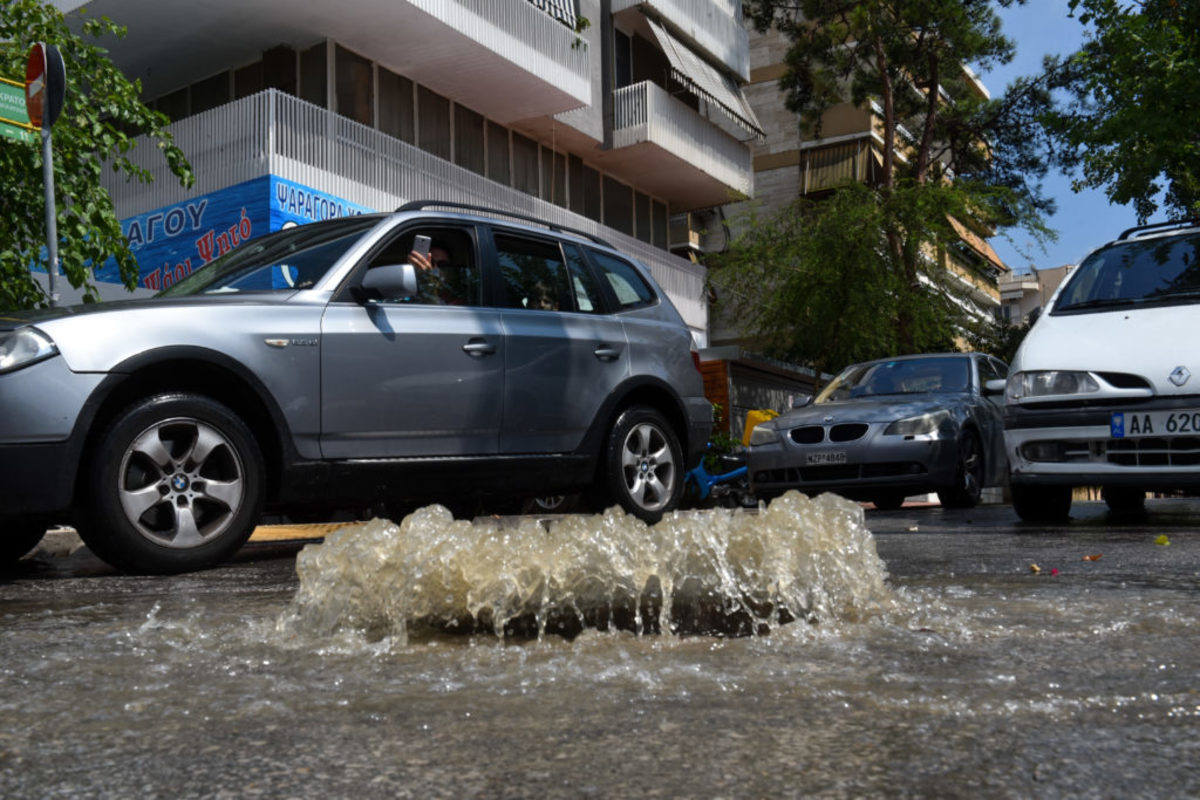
(277, 134)
(645, 112)
(714, 26)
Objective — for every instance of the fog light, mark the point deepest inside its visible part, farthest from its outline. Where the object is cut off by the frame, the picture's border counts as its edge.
(1043, 451)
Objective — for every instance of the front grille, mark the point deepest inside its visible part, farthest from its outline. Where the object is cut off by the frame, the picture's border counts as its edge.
(838, 472)
(1179, 451)
(810, 434)
(815, 434)
(847, 432)
(1165, 451)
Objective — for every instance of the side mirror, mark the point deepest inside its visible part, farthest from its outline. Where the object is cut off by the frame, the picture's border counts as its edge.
(994, 386)
(802, 401)
(390, 281)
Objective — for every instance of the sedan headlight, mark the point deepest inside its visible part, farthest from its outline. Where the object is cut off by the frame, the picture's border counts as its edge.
(917, 426)
(23, 347)
(1050, 383)
(763, 434)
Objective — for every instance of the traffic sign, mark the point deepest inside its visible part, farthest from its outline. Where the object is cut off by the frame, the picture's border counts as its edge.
(45, 85)
(14, 119)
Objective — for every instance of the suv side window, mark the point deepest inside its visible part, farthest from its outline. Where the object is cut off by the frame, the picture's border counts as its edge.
(629, 288)
(452, 277)
(534, 274)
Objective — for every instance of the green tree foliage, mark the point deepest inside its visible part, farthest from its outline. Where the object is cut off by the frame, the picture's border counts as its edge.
(101, 116)
(857, 274)
(1130, 126)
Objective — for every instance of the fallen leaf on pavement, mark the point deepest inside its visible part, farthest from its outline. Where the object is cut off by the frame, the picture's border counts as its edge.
(1163, 540)
(1095, 557)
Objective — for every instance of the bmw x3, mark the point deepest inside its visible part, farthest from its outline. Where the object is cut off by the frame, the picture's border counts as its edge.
(429, 354)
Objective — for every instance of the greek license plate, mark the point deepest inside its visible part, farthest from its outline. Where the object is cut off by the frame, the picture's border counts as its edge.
(1182, 422)
(834, 457)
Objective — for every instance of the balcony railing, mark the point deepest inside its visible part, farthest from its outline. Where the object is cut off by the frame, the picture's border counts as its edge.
(645, 112)
(714, 26)
(275, 133)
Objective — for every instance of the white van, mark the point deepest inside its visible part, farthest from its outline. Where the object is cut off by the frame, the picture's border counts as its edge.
(1102, 390)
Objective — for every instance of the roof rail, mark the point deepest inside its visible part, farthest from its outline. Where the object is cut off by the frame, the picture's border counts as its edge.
(417, 205)
(1139, 229)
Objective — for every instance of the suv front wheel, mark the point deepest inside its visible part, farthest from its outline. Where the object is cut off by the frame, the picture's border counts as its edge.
(176, 485)
(643, 464)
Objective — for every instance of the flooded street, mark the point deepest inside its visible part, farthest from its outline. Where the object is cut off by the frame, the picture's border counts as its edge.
(920, 652)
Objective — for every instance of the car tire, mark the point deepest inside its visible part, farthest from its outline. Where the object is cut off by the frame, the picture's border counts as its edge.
(1042, 503)
(888, 502)
(968, 474)
(177, 485)
(1124, 500)
(643, 464)
(18, 537)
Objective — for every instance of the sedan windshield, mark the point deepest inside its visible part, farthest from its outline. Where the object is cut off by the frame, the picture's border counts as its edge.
(906, 376)
(1140, 272)
(295, 258)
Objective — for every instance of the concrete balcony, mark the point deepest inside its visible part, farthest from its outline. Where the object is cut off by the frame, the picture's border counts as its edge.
(713, 26)
(673, 152)
(507, 59)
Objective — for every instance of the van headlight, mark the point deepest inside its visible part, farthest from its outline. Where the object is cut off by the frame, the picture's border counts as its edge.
(23, 347)
(763, 435)
(1050, 383)
(917, 426)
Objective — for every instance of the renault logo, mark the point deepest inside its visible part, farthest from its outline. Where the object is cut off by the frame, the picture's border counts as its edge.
(1179, 376)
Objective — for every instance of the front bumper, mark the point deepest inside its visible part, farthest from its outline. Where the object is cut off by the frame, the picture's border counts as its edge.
(877, 463)
(41, 409)
(1076, 447)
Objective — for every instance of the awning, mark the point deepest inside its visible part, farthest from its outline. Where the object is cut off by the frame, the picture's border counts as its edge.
(705, 80)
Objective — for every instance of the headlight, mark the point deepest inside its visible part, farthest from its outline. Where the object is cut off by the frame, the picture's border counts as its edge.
(763, 435)
(1050, 383)
(916, 426)
(23, 347)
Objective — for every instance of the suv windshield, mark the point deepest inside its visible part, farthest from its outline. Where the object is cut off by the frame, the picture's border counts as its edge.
(1158, 270)
(295, 258)
(910, 376)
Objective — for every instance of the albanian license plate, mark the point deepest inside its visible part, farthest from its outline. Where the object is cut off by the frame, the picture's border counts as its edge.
(1181, 422)
(832, 457)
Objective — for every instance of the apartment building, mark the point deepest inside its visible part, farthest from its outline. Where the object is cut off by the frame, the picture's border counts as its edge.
(787, 166)
(617, 117)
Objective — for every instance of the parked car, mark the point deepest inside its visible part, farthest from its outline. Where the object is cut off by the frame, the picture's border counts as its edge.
(887, 429)
(1101, 391)
(318, 368)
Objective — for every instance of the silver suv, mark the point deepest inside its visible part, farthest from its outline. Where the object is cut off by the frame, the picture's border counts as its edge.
(423, 355)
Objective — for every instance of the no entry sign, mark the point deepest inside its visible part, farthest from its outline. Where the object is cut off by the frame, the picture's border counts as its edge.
(45, 85)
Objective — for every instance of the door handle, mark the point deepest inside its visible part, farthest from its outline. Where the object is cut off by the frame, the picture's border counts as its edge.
(606, 353)
(478, 347)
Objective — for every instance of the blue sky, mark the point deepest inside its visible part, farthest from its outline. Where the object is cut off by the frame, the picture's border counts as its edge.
(1084, 220)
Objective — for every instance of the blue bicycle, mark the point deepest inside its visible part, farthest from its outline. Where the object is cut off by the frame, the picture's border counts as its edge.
(729, 488)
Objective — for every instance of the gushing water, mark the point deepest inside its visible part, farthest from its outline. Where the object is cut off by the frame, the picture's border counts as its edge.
(717, 572)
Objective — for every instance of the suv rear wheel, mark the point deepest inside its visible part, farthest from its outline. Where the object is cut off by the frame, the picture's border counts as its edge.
(643, 464)
(177, 485)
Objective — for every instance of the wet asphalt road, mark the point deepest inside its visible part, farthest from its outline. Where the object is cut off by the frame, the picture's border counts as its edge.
(538, 736)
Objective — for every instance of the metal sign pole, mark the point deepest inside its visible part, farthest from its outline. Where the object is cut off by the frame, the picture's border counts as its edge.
(45, 89)
(51, 216)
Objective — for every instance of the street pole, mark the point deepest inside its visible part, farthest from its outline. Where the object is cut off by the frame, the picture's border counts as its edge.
(51, 216)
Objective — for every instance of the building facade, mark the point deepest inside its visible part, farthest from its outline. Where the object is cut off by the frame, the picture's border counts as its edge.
(618, 117)
(787, 166)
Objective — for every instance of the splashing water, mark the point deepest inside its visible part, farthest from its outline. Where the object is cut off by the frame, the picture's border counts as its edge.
(723, 572)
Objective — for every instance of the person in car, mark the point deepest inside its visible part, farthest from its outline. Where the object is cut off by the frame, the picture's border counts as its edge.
(441, 280)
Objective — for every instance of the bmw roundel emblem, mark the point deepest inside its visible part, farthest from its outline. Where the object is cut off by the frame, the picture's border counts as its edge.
(1179, 376)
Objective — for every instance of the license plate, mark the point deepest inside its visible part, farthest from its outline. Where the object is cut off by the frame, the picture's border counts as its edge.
(1130, 424)
(834, 457)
